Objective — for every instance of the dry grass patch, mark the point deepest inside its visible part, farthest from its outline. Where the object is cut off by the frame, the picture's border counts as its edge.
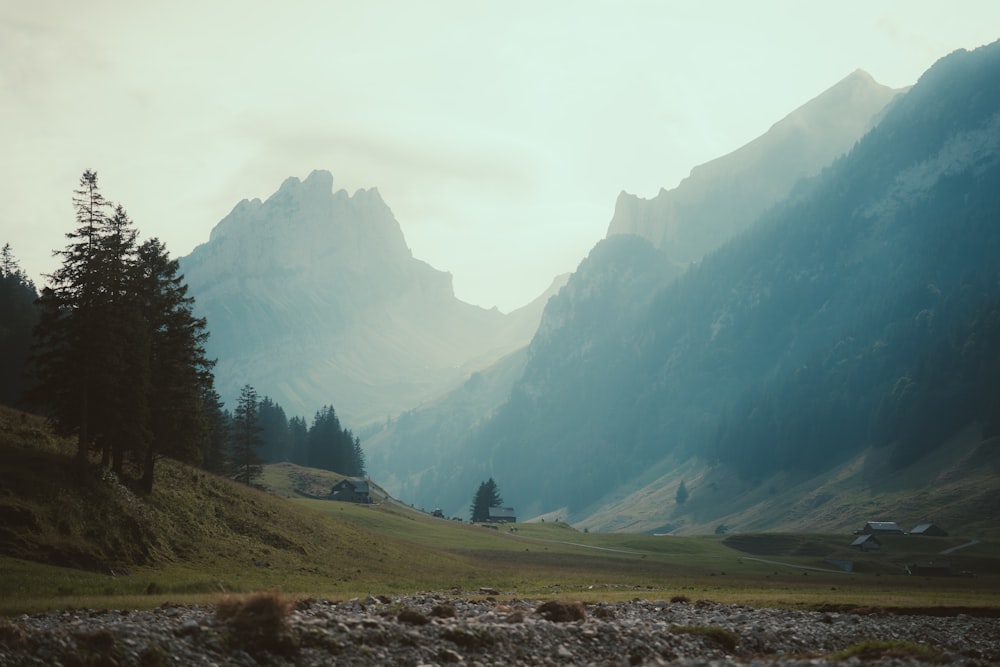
(877, 649)
(258, 622)
(562, 611)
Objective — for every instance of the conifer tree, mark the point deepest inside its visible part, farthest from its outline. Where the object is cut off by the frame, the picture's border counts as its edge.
(332, 447)
(298, 440)
(214, 438)
(18, 317)
(682, 494)
(357, 458)
(274, 426)
(487, 496)
(119, 354)
(245, 437)
(69, 346)
(180, 372)
(122, 399)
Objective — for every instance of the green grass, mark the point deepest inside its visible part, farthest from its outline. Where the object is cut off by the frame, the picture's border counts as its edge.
(876, 649)
(72, 539)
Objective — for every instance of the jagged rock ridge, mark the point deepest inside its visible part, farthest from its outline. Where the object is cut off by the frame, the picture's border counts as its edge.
(725, 196)
(314, 298)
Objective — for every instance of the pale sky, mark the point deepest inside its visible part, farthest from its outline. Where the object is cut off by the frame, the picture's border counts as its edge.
(499, 133)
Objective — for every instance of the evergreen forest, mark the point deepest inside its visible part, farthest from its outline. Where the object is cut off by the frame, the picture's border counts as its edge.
(110, 351)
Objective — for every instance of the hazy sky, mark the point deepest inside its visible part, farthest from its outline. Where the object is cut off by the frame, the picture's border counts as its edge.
(500, 133)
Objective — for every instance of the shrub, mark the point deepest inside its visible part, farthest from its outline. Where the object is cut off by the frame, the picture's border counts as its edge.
(562, 612)
(258, 621)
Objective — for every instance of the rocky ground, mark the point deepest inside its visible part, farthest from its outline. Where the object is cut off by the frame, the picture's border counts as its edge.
(443, 629)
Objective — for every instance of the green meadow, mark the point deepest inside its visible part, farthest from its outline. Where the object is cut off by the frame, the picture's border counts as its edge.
(72, 539)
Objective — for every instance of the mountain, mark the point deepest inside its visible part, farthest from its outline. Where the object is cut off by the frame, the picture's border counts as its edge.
(412, 454)
(425, 456)
(855, 326)
(314, 298)
(725, 196)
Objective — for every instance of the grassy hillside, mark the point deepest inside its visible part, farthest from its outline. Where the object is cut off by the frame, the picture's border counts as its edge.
(196, 533)
(82, 539)
(955, 486)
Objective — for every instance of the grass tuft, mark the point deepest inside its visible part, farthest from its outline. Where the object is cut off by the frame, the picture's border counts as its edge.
(412, 617)
(561, 611)
(258, 622)
(876, 649)
(12, 636)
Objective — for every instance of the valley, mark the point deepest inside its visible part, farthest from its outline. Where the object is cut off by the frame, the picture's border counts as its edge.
(199, 536)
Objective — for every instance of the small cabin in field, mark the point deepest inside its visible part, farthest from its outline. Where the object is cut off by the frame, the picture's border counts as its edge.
(351, 491)
(502, 515)
(866, 543)
(882, 528)
(930, 530)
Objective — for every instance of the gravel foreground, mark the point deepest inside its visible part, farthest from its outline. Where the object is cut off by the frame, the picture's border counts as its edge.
(440, 629)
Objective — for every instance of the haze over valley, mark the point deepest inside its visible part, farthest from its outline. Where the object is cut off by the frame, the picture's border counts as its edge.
(802, 332)
(783, 320)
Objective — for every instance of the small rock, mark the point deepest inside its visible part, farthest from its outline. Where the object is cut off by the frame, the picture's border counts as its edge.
(449, 655)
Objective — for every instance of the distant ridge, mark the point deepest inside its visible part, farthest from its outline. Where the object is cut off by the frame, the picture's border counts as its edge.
(723, 197)
(314, 298)
(853, 328)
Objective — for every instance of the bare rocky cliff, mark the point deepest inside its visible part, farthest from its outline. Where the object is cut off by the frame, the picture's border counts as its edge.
(314, 298)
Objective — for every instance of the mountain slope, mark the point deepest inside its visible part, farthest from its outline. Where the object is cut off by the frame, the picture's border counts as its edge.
(781, 351)
(424, 456)
(725, 196)
(718, 199)
(313, 297)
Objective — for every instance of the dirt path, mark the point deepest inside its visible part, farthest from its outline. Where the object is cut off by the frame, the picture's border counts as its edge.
(960, 546)
(797, 567)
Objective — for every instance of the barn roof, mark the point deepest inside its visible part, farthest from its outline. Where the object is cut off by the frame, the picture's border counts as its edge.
(502, 512)
(922, 528)
(884, 526)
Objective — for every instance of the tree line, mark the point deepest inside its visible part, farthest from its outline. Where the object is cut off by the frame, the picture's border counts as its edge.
(112, 353)
(262, 433)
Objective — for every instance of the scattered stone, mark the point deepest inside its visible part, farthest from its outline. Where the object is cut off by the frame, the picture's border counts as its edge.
(448, 655)
(474, 632)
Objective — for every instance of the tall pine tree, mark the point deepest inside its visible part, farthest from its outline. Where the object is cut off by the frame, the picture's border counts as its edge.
(487, 496)
(180, 372)
(119, 355)
(70, 347)
(274, 426)
(122, 398)
(18, 317)
(214, 439)
(245, 437)
(331, 447)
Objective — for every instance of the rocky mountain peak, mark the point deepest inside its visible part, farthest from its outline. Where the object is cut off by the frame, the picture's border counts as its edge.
(307, 224)
(313, 297)
(722, 197)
